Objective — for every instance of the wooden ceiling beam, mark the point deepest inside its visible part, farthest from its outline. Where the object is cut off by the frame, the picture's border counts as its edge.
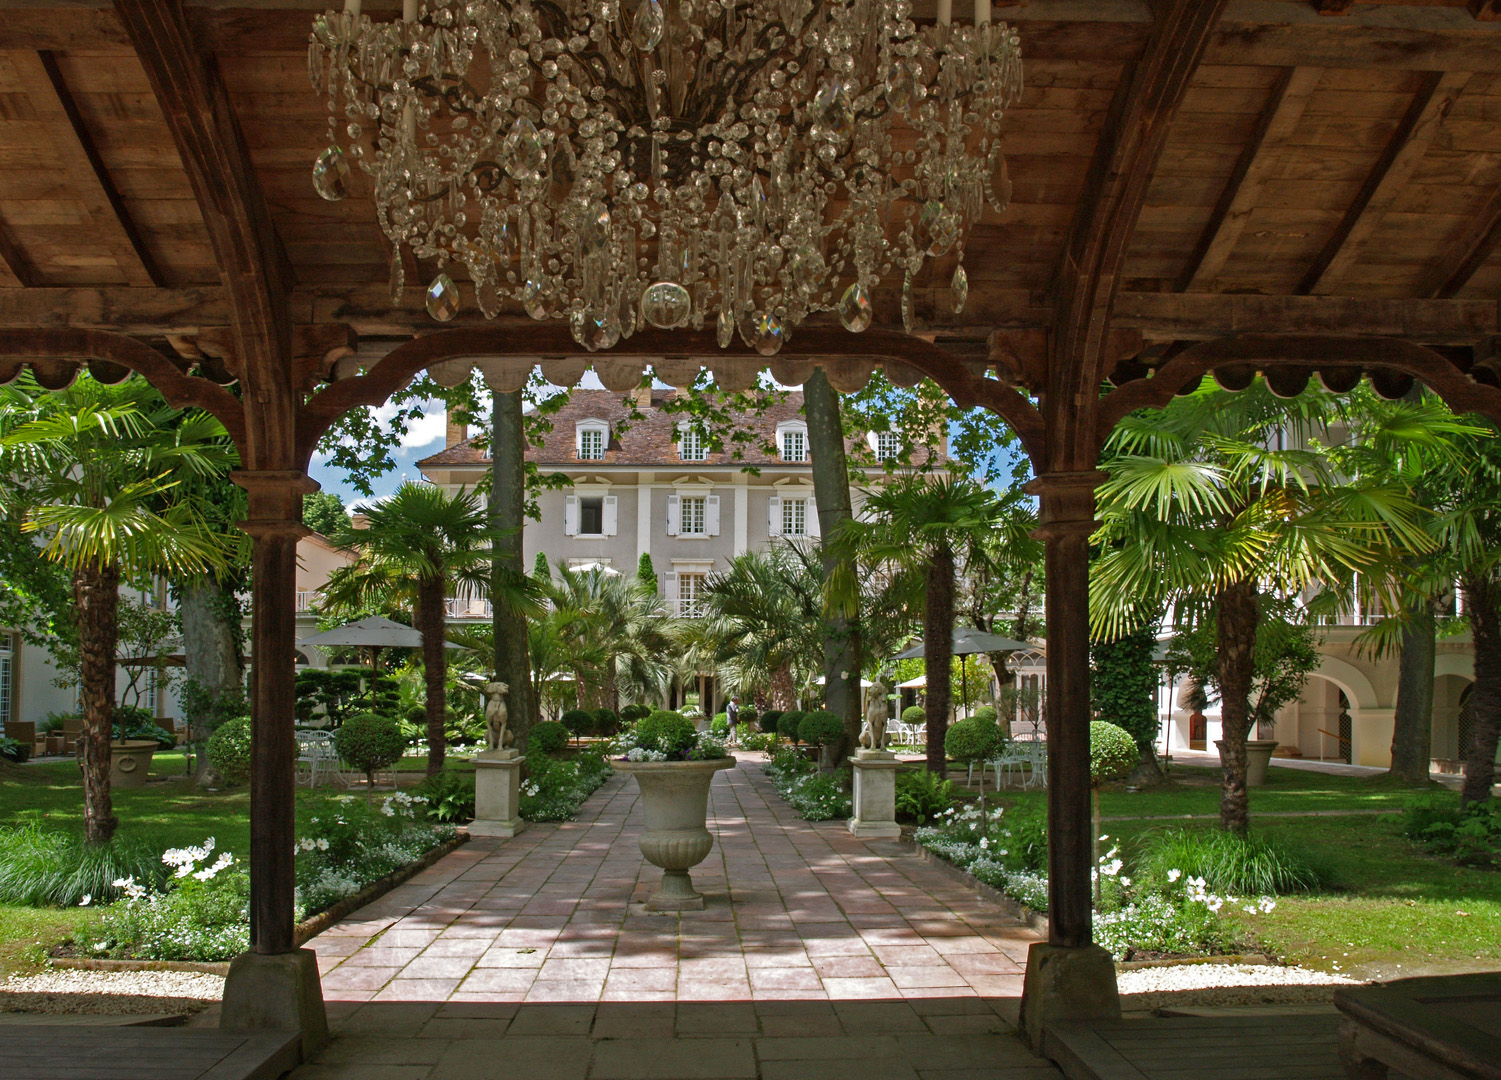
(15, 267)
(1386, 180)
(1257, 161)
(1125, 159)
(193, 312)
(1466, 253)
(79, 160)
(197, 108)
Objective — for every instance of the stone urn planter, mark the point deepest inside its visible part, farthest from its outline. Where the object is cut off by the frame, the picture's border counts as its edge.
(675, 800)
(130, 762)
(1258, 757)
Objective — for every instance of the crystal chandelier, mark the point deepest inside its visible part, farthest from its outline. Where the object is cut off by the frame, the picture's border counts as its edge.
(740, 162)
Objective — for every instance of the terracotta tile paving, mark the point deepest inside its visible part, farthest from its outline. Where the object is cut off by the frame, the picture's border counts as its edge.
(818, 955)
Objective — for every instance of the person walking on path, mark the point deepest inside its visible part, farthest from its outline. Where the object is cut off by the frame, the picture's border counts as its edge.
(732, 710)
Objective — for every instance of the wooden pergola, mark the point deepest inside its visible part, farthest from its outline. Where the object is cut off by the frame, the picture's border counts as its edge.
(1290, 187)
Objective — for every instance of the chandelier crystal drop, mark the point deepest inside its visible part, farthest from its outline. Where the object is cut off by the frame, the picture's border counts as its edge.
(672, 163)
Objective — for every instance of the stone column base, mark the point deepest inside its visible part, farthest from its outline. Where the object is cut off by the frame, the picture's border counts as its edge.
(497, 794)
(1064, 983)
(280, 991)
(875, 796)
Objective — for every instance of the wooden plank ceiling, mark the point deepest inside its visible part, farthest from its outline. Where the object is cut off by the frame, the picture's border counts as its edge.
(1322, 150)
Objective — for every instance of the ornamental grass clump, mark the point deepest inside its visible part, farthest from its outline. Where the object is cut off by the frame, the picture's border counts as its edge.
(46, 868)
(1228, 862)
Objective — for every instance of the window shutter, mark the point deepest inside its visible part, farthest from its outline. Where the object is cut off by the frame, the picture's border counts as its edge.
(570, 515)
(611, 516)
(774, 516)
(670, 592)
(814, 529)
(673, 519)
(711, 516)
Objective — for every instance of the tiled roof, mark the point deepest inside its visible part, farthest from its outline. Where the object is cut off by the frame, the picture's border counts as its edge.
(650, 440)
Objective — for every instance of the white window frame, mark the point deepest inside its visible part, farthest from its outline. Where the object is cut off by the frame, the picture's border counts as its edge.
(591, 427)
(876, 439)
(690, 438)
(792, 509)
(8, 652)
(677, 508)
(789, 428)
(573, 513)
(687, 505)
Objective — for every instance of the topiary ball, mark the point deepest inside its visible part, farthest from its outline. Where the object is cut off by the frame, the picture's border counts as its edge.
(788, 724)
(820, 728)
(972, 739)
(769, 720)
(1112, 752)
(914, 714)
(578, 722)
(720, 725)
(606, 722)
(632, 713)
(985, 712)
(370, 742)
(668, 732)
(229, 750)
(746, 715)
(548, 737)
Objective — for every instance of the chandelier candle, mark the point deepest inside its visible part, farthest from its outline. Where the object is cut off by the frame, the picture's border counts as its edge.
(669, 163)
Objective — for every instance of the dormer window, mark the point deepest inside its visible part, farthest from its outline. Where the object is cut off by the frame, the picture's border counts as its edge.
(887, 445)
(591, 440)
(691, 444)
(792, 441)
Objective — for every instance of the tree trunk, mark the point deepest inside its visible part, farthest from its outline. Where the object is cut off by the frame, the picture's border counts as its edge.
(831, 493)
(432, 625)
(211, 651)
(783, 690)
(1236, 661)
(96, 601)
(1482, 595)
(938, 653)
(1023, 609)
(1412, 720)
(508, 516)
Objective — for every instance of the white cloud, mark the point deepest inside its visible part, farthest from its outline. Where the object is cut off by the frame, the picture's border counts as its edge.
(424, 430)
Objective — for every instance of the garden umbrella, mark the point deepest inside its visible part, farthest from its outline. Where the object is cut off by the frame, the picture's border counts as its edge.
(967, 642)
(375, 633)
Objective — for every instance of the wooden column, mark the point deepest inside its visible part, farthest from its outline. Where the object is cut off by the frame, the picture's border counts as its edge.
(1066, 516)
(275, 525)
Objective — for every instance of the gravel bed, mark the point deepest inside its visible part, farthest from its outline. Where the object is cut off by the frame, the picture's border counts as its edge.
(1226, 984)
(110, 992)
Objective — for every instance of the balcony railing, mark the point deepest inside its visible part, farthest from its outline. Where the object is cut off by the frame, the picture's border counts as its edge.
(458, 607)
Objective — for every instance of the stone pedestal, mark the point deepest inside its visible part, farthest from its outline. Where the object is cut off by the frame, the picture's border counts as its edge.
(1064, 983)
(497, 794)
(279, 991)
(875, 795)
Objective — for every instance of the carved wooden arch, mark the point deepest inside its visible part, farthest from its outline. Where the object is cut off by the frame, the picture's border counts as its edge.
(1339, 361)
(847, 359)
(57, 356)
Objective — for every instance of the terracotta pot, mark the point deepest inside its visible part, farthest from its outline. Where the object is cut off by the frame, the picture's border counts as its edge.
(130, 762)
(1258, 757)
(675, 802)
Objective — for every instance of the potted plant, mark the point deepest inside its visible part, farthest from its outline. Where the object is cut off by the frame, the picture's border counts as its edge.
(673, 764)
(135, 737)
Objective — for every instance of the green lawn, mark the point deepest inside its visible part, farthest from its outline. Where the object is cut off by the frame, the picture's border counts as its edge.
(168, 814)
(1390, 908)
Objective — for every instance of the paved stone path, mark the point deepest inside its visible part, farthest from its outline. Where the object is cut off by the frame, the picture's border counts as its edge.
(818, 955)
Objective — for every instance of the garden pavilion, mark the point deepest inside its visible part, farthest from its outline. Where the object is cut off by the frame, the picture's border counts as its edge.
(1297, 188)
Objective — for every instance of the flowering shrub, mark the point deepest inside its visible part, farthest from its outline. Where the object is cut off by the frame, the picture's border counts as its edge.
(554, 789)
(669, 736)
(201, 913)
(813, 795)
(351, 843)
(1162, 912)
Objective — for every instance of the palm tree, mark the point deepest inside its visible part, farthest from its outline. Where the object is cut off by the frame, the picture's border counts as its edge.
(763, 624)
(923, 530)
(419, 545)
(98, 472)
(615, 631)
(1218, 498)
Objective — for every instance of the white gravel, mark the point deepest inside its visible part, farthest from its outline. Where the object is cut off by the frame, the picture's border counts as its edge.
(110, 992)
(1226, 984)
